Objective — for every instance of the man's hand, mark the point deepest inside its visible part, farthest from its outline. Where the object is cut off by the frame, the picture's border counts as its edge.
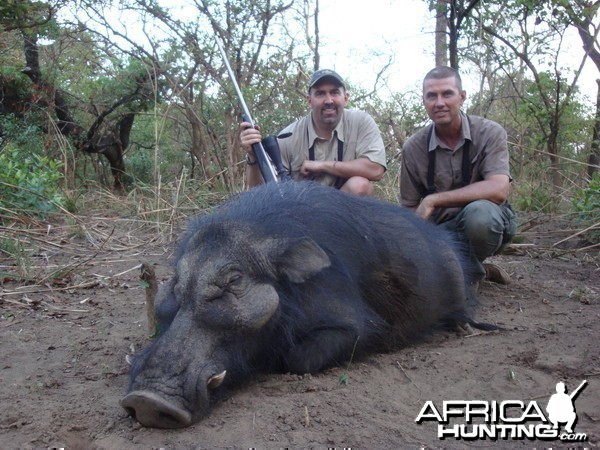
(248, 137)
(494, 188)
(426, 208)
(310, 168)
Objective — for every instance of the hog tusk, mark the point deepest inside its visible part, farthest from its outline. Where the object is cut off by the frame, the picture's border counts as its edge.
(216, 380)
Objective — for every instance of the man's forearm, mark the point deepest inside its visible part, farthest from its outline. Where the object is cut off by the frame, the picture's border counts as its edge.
(253, 175)
(361, 167)
(494, 189)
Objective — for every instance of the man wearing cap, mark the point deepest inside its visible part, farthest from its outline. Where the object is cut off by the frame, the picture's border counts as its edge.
(332, 145)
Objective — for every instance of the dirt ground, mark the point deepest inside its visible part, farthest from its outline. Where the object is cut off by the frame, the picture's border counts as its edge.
(64, 339)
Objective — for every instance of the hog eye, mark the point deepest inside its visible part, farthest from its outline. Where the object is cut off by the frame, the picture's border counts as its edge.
(235, 279)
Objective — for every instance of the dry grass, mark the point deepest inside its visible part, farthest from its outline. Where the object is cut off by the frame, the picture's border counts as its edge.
(64, 250)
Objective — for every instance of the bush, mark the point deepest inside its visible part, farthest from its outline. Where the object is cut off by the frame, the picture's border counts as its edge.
(534, 197)
(140, 169)
(587, 202)
(28, 182)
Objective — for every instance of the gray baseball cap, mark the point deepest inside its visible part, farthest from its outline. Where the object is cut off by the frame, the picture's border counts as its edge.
(323, 74)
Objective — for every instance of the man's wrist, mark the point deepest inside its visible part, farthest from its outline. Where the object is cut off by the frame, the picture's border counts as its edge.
(249, 161)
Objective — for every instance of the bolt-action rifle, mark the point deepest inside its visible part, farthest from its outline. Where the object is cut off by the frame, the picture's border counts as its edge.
(575, 393)
(265, 151)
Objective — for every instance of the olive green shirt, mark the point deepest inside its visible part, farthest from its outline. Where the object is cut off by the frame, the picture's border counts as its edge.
(488, 152)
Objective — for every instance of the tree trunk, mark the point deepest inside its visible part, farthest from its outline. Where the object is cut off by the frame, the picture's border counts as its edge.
(594, 159)
(317, 54)
(552, 148)
(441, 35)
(453, 36)
(109, 140)
(199, 145)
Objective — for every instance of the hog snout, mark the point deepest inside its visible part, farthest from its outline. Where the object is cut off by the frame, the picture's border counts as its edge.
(152, 410)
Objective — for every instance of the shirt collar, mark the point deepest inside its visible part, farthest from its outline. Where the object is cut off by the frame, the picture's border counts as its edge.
(465, 134)
(338, 131)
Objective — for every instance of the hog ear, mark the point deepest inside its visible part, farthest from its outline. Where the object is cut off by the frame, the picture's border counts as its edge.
(300, 259)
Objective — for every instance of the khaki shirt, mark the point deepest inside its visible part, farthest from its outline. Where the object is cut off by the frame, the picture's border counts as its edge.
(488, 153)
(357, 130)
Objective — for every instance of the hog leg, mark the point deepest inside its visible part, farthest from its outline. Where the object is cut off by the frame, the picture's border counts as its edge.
(321, 348)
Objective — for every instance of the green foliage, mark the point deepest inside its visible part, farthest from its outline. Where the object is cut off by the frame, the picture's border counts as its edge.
(537, 197)
(14, 82)
(139, 168)
(587, 202)
(343, 379)
(21, 256)
(155, 332)
(119, 80)
(29, 181)
(151, 152)
(25, 14)
(195, 109)
(527, 121)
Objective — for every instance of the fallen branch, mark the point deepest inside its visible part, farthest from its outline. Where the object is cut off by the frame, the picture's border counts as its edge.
(591, 227)
(149, 277)
(84, 285)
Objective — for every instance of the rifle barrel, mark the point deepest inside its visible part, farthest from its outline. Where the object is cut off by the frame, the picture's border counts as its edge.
(576, 391)
(264, 164)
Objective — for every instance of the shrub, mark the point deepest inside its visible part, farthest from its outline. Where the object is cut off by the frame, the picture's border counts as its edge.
(587, 202)
(534, 197)
(29, 182)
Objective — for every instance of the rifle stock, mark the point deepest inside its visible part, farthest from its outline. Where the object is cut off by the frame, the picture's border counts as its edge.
(264, 164)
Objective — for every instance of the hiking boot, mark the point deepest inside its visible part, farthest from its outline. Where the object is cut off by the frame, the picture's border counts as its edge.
(496, 274)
